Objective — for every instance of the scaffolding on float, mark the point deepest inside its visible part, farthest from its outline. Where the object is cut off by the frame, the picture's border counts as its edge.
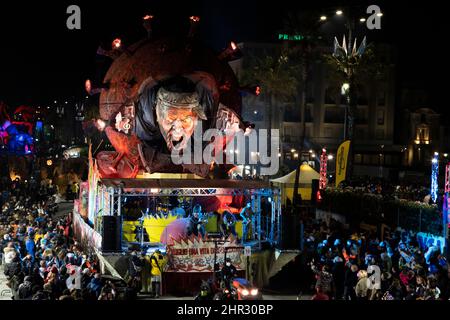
(112, 192)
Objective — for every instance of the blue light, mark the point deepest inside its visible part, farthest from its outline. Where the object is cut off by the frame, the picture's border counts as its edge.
(434, 177)
(39, 125)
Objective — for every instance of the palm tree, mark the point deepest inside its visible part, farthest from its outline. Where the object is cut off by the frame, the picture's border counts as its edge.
(277, 78)
(355, 67)
(303, 52)
(276, 75)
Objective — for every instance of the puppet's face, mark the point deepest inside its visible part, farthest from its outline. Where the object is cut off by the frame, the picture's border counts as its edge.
(177, 126)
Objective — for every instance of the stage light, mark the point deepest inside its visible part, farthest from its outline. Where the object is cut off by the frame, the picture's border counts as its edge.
(87, 86)
(194, 18)
(116, 44)
(91, 90)
(148, 24)
(49, 162)
(231, 53)
(254, 90)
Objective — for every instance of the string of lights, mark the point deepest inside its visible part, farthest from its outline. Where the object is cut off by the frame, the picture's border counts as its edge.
(323, 170)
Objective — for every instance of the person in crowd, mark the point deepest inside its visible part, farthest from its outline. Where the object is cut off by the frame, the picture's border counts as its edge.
(350, 282)
(157, 263)
(324, 279)
(361, 289)
(227, 273)
(228, 224)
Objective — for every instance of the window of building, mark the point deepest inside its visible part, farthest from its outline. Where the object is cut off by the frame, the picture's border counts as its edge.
(422, 134)
(361, 116)
(328, 132)
(362, 96)
(292, 113)
(308, 113)
(334, 114)
(388, 160)
(362, 100)
(380, 117)
(381, 98)
(331, 95)
(310, 92)
(360, 133)
(379, 134)
(374, 159)
(288, 133)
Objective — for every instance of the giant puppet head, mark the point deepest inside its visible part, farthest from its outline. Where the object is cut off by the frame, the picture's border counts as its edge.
(155, 94)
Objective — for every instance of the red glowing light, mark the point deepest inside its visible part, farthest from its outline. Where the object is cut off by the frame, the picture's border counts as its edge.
(88, 86)
(194, 18)
(147, 17)
(233, 45)
(116, 43)
(258, 90)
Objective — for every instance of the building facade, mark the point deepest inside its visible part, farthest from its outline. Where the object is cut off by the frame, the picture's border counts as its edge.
(319, 123)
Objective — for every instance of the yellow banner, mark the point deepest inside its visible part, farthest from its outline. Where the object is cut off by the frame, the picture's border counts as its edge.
(341, 161)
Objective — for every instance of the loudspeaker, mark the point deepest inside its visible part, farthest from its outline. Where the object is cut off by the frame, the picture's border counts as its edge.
(111, 239)
(314, 190)
(290, 231)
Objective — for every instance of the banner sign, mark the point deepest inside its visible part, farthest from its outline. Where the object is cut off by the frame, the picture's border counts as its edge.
(85, 234)
(341, 161)
(196, 254)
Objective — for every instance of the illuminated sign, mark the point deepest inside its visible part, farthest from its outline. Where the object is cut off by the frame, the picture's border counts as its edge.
(290, 37)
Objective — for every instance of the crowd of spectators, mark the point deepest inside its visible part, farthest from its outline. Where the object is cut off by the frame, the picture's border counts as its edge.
(387, 189)
(360, 266)
(40, 258)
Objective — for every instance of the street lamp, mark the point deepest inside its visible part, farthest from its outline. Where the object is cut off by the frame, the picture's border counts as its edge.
(323, 18)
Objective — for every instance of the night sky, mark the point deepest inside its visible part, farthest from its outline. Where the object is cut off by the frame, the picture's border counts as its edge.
(41, 60)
